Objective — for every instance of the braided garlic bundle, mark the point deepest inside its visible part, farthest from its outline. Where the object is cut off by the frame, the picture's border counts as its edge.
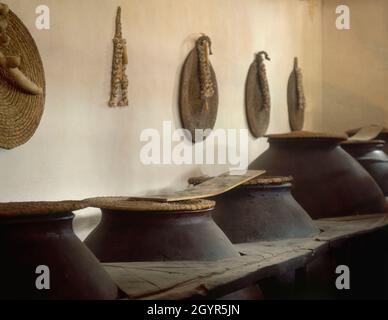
(263, 79)
(299, 86)
(119, 93)
(203, 46)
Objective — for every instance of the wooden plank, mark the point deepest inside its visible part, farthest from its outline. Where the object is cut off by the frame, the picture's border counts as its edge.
(181, 280)
(336, 229)
(207, 189)
(367, 133)
(259, 260)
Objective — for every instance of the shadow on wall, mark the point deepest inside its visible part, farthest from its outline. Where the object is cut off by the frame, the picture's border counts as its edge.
(344, 109)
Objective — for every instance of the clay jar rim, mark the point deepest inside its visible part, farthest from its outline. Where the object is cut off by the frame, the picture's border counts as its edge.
(360, 144)
(37, 218)
(267, 187)
(144, 214)
(301, 142)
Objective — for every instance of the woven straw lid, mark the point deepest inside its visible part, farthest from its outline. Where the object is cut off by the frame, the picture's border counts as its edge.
(268, 180)
(307, 135)
(18, 209)
(20, 112)
(258, 181)
(128, 204)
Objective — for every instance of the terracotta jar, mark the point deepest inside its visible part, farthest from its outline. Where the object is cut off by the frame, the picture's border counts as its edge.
(41, 234)
(328, 181)
(262, 209)
(155, 231)
(152, 231)
(371, 155)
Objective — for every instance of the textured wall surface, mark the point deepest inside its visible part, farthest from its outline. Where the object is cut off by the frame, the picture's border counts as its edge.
(355, 65)
(83, 148)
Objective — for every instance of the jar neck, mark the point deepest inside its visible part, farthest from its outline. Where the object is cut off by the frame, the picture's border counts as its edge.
(285, 187)
(133, 217)
(360, 149)
(304, 143)
(54, 223)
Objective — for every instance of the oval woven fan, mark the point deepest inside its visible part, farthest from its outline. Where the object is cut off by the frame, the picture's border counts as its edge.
(296, 98)
(195, 112)
(20, 111)
(257, 97)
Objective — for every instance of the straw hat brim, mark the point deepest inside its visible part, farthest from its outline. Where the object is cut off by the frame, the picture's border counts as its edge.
(20, 112)
(307, 135)
(28, 209)
(134, 205)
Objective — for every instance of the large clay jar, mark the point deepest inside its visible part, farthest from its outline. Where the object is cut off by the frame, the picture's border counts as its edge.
(262, 209)
(371, 155)
(41, 234)
(383, 135)
(328, 181)
(155, 231)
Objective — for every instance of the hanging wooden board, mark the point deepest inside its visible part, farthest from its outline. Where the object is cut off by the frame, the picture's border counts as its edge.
(295, 113)
(209, 188)
(193, 114)
(258, 117)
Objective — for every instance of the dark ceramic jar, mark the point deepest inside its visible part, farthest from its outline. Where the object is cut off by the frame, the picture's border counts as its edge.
(383, 135)
(371, 155)
(262, 209)
(153, 231)
(328, 181)
(41, 234)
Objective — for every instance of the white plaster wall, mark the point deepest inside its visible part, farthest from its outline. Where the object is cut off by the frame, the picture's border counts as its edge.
(355, 65)
(83, 148)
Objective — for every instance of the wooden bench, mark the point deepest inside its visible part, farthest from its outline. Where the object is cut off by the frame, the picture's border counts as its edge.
(258, 261)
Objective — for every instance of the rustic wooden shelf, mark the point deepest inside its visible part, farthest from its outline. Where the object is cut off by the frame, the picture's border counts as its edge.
(261, 260)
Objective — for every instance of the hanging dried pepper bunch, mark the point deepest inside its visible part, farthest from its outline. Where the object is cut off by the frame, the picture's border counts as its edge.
(203, 46)
(119, 93)
(299, 86)
(263, 80)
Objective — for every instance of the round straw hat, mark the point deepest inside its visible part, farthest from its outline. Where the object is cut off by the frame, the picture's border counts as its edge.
(20, 112)
(307, 135)
(128, 204)
(28, 209)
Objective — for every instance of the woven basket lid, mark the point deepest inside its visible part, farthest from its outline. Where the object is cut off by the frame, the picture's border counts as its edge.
(20, 112)
(19, 209)
(268, 180)
(258, 181)
(134, 205)
(308, 135)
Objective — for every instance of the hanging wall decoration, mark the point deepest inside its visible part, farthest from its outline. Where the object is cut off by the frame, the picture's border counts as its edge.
(22, 83)
(198, 90)
(258, 97)
(119, 86)
(296, 98)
